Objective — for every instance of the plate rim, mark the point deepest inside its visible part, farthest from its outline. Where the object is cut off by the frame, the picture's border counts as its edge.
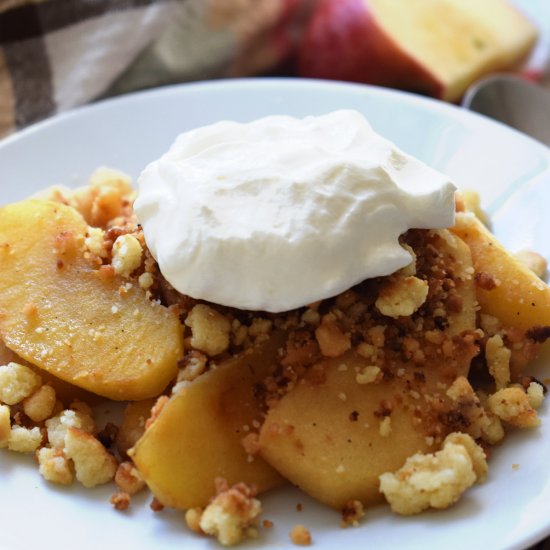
(265, 82)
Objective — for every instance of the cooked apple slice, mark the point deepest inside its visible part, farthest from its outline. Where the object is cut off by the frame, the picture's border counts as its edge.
(437, 47)
(333, 439)
(58, 313)
(197, 435)
(506, 289)
(333, 435)
(65, 392)
(327, 438)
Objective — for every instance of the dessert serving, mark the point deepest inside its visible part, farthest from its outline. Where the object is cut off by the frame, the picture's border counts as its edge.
(286, 301)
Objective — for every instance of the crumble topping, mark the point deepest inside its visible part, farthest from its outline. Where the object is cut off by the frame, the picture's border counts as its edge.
(369, 375)
(193, 364)
(146, 280)
(512, 405)
(58, 425)
(156, 505)
(300, 535)
(352, 513)
(401, 296)
(332, 340)
(128, 479)
(24, 440)
(17, 382)
(120, 501)
(498, 360)
(232, 515)
(385, 427)
(93, 464)
(95, 242)
(193, 520)
(40, 405)
(109, 195)
(210, 330)
(535, 394)
(435, 480)
(54, 466)
(126, 255)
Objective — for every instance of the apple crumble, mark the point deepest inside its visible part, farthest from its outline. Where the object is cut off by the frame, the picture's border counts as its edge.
(394, 390)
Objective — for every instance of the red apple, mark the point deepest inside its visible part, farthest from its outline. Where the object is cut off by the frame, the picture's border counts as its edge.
(437, 47)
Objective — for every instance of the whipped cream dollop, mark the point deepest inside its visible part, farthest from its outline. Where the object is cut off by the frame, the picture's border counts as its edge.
(281, 212)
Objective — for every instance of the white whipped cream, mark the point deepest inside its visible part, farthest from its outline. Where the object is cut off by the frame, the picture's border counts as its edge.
(281, 212)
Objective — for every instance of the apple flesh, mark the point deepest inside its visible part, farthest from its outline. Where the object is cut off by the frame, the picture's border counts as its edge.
(437, 47)
(57, 313)
(197, 436)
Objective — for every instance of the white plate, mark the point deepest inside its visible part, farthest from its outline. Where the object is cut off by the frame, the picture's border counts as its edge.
(511, 172)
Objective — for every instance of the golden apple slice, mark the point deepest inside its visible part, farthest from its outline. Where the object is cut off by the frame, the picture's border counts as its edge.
(57, 312)
(334, 439)
(507, 289)
(333, 435)
(327, 438)
(65, 392)
(197, 435)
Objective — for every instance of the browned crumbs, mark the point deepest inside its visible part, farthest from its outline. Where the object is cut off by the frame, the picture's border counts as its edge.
(300, 535)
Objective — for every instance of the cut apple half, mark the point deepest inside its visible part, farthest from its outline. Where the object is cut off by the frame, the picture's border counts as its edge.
(438, 47)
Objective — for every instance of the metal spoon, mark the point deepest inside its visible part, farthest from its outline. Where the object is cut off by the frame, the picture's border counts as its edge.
(514, 101)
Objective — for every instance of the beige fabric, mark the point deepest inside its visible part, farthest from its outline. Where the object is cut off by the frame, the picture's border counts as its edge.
(7, 102)
(58, 54)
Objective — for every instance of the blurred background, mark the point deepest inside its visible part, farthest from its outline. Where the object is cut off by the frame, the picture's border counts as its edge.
(59, 54)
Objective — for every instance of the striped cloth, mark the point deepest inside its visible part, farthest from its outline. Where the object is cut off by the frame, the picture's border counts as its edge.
(57, 54)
